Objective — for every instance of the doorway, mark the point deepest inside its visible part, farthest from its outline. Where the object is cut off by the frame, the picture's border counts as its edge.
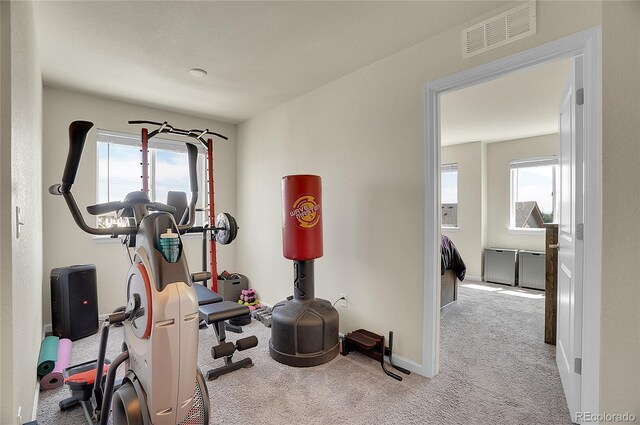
(587, 46)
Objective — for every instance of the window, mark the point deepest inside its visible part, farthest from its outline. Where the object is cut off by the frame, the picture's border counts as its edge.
(449, 195)
(533, 192)
(119, 171)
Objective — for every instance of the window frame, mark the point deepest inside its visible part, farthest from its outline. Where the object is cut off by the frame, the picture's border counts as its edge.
(155, 144)
(453, 166)
(516, 164)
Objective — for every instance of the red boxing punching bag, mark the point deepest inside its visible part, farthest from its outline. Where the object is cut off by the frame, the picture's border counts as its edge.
(302, 217)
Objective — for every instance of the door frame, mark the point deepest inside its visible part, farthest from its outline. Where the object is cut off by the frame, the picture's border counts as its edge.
(588, 44)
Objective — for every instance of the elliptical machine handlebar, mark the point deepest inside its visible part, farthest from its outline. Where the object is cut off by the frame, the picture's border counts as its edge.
(192, 154)
(77, 135)
(78, 131)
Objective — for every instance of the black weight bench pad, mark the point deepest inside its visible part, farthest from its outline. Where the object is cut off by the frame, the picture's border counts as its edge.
(221, 311)
(206, 295)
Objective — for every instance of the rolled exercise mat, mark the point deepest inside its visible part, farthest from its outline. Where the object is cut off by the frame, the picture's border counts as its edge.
(55, 379)
(48, 355)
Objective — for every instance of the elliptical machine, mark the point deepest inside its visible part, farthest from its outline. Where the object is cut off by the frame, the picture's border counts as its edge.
(162, 384)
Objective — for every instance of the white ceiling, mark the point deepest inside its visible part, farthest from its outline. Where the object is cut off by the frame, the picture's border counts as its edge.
(523, 104)
(258, 54)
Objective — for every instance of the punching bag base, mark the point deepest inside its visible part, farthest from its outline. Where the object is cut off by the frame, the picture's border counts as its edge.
(303, 360)
(304, 333)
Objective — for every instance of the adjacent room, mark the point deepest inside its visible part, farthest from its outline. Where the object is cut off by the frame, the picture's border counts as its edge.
(231, 212)
(499, 199)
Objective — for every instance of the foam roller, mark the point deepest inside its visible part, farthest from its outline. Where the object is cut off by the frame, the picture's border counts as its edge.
(223, 350)
(246, 343)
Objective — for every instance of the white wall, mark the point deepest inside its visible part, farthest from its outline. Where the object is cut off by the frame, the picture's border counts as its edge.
(364, 133)
(21, 185)
(64, 243)
(469, 235)
(499, 156)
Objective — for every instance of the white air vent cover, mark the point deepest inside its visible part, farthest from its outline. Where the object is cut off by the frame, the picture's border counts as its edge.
(509, 26)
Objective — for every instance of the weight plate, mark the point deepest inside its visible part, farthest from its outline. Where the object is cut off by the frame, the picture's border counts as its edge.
(226, 228)
(234, 227)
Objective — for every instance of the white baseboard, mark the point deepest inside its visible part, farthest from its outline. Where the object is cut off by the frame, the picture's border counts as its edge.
(409, 365)
(473, 278)
(36, 399)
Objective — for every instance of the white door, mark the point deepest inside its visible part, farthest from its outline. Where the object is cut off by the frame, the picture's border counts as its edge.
(570, 239)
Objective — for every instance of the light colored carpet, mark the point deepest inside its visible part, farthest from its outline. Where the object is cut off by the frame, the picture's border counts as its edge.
(495, 369)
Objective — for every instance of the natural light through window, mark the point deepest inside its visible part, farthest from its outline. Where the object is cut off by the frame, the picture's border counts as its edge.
(449, 195)
(119, 171)
(533, 192)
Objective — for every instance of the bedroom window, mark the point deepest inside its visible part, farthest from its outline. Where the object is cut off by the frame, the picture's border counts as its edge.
(449, 195)
(119, 171)
(533, 192)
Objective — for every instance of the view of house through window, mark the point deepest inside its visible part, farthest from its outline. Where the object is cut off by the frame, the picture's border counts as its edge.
(119, 171)
(449, 195)
(533, 192)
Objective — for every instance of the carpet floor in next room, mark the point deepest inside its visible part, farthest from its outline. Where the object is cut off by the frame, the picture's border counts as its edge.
(495, 369)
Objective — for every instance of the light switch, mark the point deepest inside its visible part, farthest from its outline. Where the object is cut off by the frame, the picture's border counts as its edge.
(18, 221)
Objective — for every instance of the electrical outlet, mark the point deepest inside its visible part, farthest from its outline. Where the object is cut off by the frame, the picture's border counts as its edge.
(344, 301)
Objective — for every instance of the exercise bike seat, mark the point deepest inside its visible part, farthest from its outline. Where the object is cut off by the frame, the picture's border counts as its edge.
(206, 295)
(221, 311)
(87, 378)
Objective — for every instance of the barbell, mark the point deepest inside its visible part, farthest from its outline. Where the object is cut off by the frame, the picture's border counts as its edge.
(226, 228)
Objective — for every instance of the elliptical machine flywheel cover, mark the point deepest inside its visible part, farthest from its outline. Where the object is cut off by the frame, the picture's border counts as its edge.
(139, 288)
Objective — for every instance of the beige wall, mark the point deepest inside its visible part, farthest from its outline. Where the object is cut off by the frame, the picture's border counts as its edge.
(364, 133)
(61, 107)
(21, 184)
(499, 189)
(620, 319)
(468, 236)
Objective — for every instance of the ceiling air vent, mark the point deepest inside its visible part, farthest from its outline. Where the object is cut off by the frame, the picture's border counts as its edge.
(502, 29)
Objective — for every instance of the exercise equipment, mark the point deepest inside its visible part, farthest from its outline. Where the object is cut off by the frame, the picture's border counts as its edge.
(304, 329)
(162, 384)
(226, 228)
(207, 143)
(224, 231)
(262, 315)
(372, 345)
(214, 311)
(55, 379)
(215, 314)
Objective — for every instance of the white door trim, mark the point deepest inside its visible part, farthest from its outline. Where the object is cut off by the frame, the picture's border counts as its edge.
(588, 44)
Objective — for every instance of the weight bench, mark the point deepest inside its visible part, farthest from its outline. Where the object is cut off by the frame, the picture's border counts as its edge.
(215, 312)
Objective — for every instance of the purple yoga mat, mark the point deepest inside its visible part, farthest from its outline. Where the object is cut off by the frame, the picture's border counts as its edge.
(55, 379)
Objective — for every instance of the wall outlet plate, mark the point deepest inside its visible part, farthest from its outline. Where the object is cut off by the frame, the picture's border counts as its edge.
(344, 301)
